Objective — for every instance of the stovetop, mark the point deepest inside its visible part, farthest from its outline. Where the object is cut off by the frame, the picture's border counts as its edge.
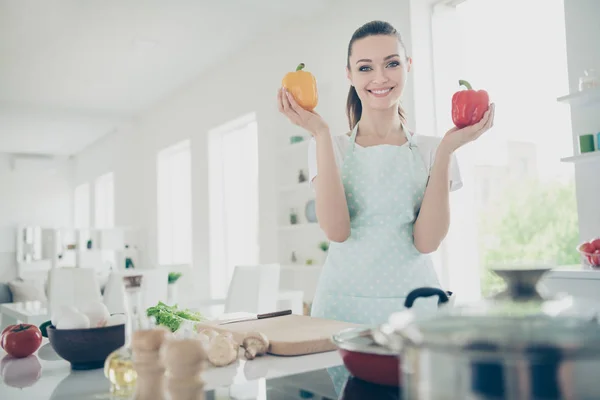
(325, 384)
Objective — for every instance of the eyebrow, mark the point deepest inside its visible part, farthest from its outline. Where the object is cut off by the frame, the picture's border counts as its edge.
(387, 58)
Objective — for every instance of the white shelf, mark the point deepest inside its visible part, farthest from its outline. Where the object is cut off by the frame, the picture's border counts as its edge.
(299, 146)
(586, 97)
(301, 267)
(295, 187)
(585, 157)
(559, 273)
(298, 227)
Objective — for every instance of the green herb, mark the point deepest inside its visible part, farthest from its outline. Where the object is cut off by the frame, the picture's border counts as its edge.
(171, 316)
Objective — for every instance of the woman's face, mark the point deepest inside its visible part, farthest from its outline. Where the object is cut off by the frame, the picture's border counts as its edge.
(378, 70)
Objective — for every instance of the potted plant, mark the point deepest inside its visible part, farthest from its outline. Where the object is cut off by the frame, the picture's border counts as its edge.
(172, 287)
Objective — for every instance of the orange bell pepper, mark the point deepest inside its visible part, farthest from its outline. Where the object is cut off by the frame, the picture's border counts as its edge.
(468, 106)
(303, 86)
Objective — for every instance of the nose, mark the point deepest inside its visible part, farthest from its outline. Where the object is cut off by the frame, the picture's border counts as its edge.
(380, 76)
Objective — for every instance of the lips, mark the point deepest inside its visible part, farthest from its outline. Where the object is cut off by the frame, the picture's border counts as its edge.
(381, 92)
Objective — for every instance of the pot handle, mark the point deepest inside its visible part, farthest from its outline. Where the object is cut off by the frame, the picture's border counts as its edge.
(443, 297)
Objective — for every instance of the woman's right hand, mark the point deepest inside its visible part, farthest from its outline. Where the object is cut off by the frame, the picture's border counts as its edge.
(309, 120)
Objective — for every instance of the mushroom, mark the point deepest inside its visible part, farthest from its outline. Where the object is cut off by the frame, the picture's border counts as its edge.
(210, 333)
(223, 350)
(256, 344)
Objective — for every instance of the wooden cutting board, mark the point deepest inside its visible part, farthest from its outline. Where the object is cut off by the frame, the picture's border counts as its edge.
(289, 335)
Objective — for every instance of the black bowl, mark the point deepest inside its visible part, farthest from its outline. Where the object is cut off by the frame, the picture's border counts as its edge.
(86, 348)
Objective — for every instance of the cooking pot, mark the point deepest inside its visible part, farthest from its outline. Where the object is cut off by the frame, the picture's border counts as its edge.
(519, 344)
(370, 361)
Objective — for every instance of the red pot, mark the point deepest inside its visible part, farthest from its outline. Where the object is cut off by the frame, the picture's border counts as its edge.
(365, 359)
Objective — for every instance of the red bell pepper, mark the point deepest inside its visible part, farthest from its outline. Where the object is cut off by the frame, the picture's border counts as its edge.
(468, 106)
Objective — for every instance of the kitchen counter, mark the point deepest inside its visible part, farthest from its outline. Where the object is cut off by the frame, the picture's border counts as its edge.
(45, 375)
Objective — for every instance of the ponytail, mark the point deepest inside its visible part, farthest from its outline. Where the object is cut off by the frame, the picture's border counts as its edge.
(354, 109)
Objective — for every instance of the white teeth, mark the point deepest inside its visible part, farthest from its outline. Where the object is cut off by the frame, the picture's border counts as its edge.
(381, 91)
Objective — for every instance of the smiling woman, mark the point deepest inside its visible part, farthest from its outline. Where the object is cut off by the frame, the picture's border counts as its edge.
(382, 192)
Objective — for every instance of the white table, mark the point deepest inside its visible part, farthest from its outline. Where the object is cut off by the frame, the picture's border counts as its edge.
(45, 375)
(29, 312)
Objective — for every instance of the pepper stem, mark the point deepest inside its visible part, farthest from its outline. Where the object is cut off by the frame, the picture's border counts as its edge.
(465, 84)
(300, 66)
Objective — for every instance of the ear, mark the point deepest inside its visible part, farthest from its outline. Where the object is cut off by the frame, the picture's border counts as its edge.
(408, 63)
(349, 76)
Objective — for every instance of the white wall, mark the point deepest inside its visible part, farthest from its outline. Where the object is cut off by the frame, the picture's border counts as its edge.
(31, 194)
(245, 83)
(583, 52)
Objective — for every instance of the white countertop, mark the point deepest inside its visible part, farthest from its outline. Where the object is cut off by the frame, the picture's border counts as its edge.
(57, 381)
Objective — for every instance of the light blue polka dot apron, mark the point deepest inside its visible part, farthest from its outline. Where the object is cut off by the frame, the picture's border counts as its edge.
(367, 277)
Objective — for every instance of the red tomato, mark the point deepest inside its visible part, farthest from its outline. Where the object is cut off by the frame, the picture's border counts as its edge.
(21, 340)
(587, 247)
(2, 334)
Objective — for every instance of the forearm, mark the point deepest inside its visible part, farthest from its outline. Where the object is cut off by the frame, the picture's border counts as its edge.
(331, 205)
(433, 221)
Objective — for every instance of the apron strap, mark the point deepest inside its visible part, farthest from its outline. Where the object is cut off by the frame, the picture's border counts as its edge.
(409, 138)
(353, 136)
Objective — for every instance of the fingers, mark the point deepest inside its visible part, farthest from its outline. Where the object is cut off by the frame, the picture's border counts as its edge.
(288, 111)
(487, 120)
(279, 101)
(293, 102)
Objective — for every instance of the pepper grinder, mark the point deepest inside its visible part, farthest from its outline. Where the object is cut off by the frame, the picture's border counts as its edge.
(146, 345)
(184, 359)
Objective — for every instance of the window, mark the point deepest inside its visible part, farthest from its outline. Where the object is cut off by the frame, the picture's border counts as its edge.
(104, 201)
(82, 206)
(513, 176)
(174, 197)
(233, 202)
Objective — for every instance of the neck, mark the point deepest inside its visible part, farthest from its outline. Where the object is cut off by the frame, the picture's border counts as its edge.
(380, 123)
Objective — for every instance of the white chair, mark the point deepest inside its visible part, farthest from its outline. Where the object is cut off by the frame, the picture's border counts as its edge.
(254, 289)
(72, 287)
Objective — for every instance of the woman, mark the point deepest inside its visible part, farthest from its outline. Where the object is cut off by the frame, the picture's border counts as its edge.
(382, 192)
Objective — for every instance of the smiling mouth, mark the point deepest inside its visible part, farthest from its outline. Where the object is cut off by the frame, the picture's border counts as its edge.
(381, 92)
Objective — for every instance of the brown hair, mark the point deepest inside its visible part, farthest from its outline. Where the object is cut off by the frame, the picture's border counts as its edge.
(353, 104)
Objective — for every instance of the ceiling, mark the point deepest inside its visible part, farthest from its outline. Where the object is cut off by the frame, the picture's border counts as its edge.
(70, 70)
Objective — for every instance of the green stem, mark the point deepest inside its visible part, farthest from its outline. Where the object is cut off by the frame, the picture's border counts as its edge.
(300, 66)
(465, 84)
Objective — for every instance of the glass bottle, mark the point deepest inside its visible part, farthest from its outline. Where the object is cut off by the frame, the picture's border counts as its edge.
(118, 367)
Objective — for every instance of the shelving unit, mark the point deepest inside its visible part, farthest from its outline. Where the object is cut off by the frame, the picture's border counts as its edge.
(586, 98)
(299, 227)
(585, 157)
(303, 238)
(580, 99)
(295, 187)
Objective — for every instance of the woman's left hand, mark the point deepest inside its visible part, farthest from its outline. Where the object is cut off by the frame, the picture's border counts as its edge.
(456, 138)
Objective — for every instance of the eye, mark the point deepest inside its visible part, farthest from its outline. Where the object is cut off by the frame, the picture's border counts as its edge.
(364, 68)
(393, 64)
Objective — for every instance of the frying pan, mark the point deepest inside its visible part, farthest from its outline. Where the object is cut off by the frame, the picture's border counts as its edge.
(365, 359)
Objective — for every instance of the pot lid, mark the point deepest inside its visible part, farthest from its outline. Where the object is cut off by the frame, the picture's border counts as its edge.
(517, 319)
(360, 340)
